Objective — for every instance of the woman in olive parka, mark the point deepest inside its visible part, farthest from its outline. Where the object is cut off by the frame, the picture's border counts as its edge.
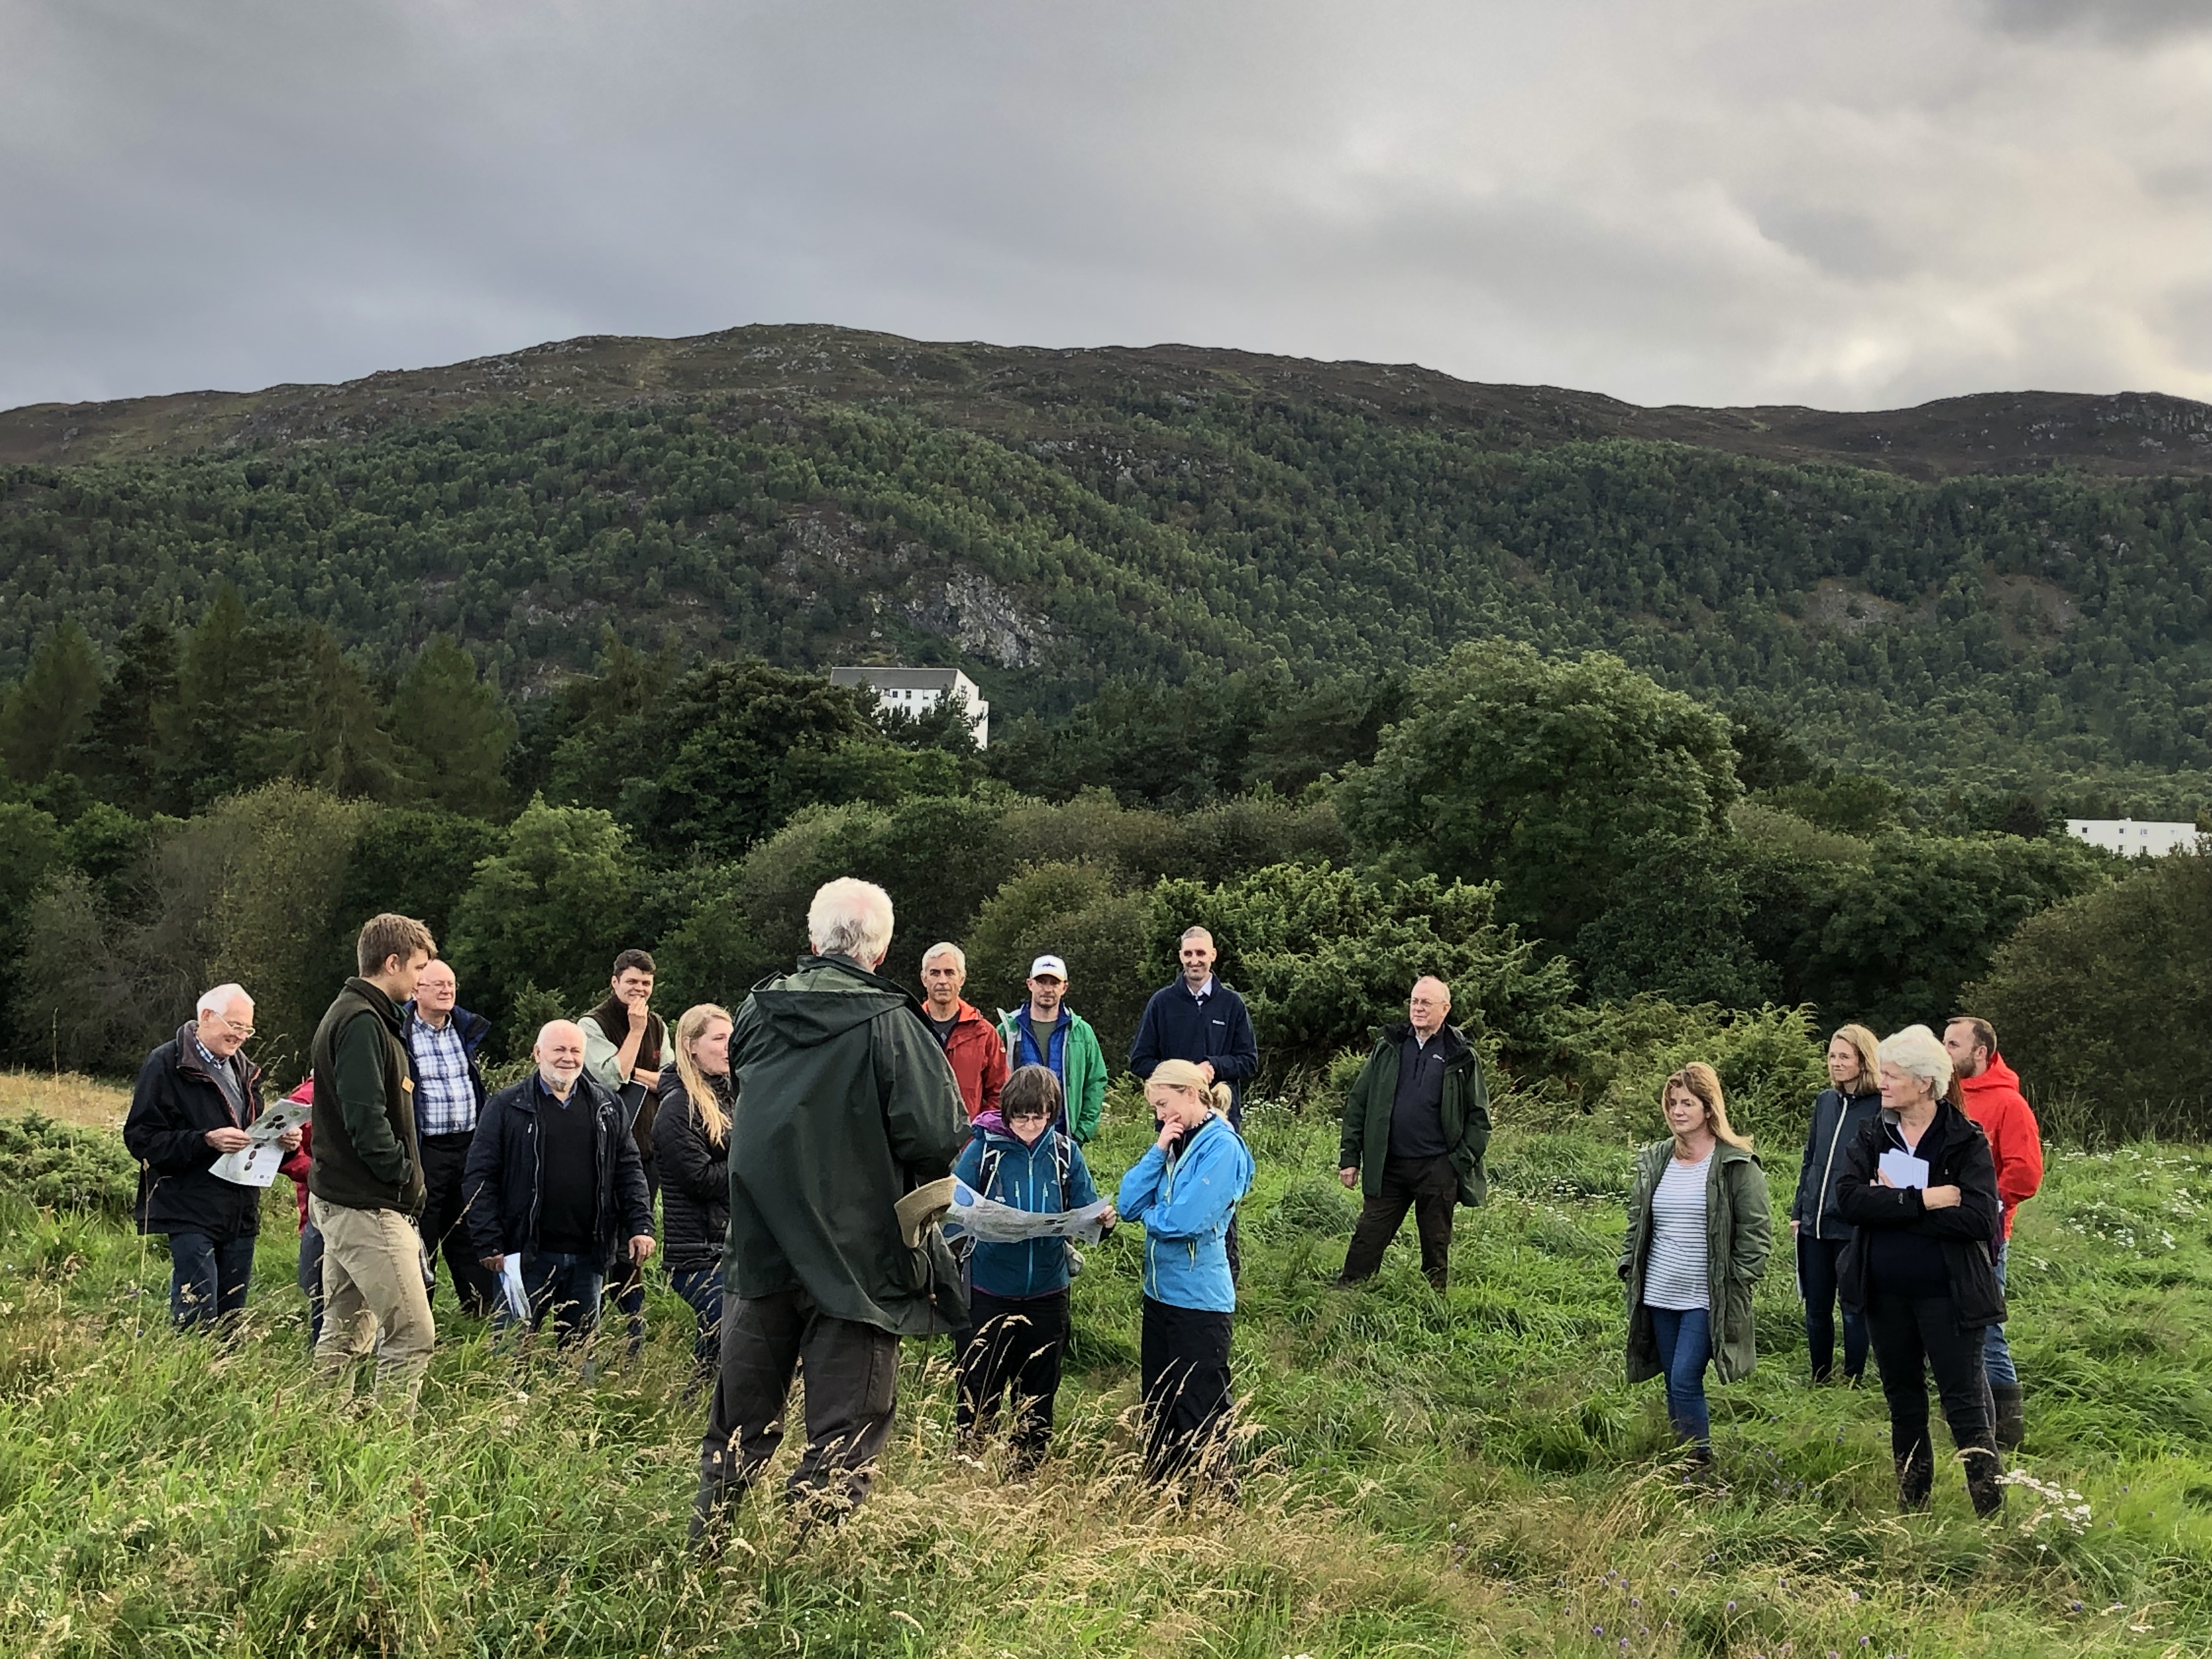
(1698, 1235)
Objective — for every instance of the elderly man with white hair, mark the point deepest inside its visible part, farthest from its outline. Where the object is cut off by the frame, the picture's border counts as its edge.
(197, 1095)
(1920, 1189)
(846, 1106)
(554, 1177)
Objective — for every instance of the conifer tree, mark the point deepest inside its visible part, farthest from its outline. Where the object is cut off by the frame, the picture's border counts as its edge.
(341, 745)
(120, 752)
(455, 729)
(48, 709)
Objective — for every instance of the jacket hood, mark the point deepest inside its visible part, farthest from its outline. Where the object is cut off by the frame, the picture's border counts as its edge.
(1996, 1078)
(188, 1056)
(991, 1122)
(826, 997)
(1723, 1152)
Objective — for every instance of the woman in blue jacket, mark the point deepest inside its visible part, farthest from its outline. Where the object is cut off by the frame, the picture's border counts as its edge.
(1017, 1328)
(1851, 1101)
(1185, 1191)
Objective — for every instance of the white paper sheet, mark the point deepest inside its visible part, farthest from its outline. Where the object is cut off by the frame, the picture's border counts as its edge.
(250, 1166)
(1903, 1169)
(989, 1221)
(510, 1288)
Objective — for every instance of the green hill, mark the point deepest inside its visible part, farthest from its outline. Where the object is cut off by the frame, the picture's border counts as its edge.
(2011, 588)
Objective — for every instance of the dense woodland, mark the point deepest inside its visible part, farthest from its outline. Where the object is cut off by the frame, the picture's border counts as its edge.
(1644, 745)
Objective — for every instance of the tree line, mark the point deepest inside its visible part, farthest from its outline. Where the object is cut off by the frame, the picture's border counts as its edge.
(1602, 867)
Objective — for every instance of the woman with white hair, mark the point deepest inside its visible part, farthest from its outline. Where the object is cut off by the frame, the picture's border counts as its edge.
(1921, 1188)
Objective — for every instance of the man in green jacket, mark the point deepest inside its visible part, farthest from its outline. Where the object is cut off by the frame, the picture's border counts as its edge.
(365, 1186)
(845, 1104)
(1416, 1125)
(1045, 1032)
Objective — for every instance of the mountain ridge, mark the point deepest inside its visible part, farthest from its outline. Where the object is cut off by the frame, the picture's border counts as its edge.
(2118, 434)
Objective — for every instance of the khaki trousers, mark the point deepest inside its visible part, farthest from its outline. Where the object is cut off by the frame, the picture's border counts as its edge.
(373, 1294)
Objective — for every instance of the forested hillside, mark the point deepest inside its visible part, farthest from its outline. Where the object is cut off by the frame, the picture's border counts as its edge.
(1057, 522)
(1651, 747)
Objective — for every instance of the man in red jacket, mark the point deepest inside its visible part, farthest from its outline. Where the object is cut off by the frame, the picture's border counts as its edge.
(971, 1042)
(1993, 1101)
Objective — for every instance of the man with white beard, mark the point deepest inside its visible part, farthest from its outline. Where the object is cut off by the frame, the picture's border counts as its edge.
(552, 1174)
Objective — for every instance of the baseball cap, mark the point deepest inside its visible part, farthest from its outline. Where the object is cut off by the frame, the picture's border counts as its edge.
(1052, 965)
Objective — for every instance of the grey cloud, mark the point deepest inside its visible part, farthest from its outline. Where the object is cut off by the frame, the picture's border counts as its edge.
(2130, 21)
(1669, 200)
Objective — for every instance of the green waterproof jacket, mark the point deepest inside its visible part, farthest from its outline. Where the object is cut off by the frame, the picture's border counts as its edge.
(844, 1103)
(1466, 1113)
(1739, 1233)
(1085, 1085)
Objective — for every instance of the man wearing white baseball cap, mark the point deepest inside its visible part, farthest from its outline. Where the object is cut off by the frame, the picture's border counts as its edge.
(1047, 1032)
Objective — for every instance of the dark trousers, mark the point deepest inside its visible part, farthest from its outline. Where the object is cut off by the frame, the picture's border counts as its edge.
(626, 1278)
(1816, 1279)
(443, 1227)
(1013, 1342)
(310, 1280)
(1183, 1365)
(1913, 1336)
(1429, 1186)
(851, 1392)
(701, 1287)
(564, 1288)
(208, 1278)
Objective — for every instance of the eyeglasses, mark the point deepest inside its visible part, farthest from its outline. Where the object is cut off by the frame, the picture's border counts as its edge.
(234, 1027)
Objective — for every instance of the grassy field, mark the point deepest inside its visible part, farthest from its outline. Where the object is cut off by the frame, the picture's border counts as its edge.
(1433, 1476)
(66, 1098)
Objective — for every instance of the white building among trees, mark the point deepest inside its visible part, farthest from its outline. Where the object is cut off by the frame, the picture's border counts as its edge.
(2137, 840)
(917, 690)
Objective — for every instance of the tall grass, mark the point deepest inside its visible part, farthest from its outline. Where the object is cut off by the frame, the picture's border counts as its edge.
(1430, 1475)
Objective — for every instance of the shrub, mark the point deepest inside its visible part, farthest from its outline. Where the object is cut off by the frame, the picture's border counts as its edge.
(1771, 1062)
(1077, 912)
(57, 1167)
(1323, 956)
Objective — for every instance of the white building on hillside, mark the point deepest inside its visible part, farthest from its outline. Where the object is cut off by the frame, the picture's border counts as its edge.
(2136, 840)
(919, 689)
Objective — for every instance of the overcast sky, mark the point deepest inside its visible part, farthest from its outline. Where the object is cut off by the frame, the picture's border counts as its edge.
(1853, 204)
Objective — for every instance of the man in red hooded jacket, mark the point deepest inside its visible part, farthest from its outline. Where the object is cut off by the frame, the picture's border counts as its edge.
(1994, 1102)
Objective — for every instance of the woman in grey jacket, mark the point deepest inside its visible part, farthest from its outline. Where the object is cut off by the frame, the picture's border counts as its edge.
(1852, 1100)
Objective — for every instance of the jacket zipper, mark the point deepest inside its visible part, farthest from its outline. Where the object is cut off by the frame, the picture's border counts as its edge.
(1821, 1206)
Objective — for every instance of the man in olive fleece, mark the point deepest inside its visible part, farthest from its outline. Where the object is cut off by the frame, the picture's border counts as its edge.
(365, 1188)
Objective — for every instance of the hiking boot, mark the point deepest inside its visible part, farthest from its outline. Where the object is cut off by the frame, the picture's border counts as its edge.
(2011, 1415)
(1983, 1468)
(1914, 1480)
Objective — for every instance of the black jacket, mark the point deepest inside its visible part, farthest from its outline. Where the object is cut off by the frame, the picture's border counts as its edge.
(1836, 1120)
(175, 1104)
(1957, 1155)
(500, 1182)
(694, 1182)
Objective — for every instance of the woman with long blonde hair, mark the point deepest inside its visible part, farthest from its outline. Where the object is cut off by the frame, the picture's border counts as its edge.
(1698, 1235)
(1851, 1101)
(692, 1138)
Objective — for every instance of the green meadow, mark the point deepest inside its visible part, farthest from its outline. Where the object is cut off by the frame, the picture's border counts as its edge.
(1429, 1475)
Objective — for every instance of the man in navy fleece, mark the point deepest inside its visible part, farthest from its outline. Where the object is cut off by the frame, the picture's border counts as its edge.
(1200, 1019)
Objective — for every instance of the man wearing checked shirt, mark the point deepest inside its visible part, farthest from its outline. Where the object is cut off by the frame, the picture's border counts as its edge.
(444, 1040)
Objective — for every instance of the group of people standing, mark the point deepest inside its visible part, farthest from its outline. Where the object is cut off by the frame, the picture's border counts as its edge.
(803, 1147)
(1917, 1155)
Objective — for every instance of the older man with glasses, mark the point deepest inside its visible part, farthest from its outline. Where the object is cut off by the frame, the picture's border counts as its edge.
(197, 1095)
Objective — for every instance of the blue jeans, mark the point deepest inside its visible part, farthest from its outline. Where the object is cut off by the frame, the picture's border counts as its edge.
(702, 1288)
(566, 1287)
(311, 1279)
(1685, 1344)
(207, 1278)
(1996, 1354)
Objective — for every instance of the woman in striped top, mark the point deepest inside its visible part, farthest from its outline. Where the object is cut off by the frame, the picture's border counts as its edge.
(1698, 1234)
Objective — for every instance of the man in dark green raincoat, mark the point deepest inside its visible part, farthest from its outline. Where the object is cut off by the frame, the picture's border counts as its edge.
(844, 1104)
